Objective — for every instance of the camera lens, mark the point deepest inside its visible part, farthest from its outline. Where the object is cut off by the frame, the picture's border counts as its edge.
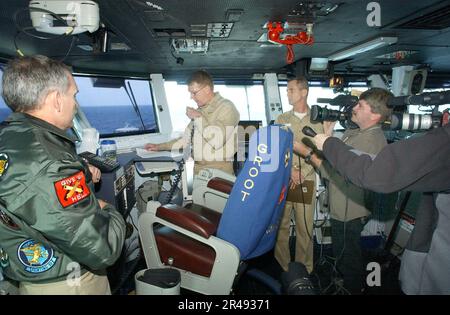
(400, 121)
(319, 114)
(316, 113)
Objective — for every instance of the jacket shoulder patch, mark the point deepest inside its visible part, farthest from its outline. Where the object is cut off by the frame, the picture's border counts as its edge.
(35, 256)
(72, 190)
(4, 162)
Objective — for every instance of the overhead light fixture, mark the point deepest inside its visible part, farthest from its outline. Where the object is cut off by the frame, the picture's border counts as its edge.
(363, 47)
(190, 45)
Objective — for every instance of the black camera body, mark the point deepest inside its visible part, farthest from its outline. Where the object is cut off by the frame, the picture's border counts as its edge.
(343, 115)
(321, 114)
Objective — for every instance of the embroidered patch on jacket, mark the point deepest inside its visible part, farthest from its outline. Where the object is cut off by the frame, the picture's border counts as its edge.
(4, 162)
(35, 257)
(72, 189)
(287, 157)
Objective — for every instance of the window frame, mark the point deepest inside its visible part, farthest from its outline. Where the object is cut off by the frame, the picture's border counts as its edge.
(244, 84)
(84, 121)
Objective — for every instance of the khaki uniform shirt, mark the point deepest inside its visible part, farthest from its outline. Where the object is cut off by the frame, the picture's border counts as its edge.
(214, 137)
(348, 202)
(296, 125)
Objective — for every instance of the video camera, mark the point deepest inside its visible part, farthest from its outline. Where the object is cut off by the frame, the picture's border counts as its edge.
(343, 115)
(415, 122)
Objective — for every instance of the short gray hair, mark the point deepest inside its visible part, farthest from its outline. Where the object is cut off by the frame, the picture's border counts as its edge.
(28, 80)
(202, 78)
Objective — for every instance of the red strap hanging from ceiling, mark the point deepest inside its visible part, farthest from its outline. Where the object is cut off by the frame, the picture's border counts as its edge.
(302, 37)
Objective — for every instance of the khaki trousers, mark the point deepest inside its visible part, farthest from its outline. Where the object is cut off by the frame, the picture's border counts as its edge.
(89, 284)
(304, 251)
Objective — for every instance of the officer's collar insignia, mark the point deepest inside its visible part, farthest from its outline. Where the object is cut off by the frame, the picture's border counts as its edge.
(71, 190)
(35, 257)
(287, 157)
(4, 162)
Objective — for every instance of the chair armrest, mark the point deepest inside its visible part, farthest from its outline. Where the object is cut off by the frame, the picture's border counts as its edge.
(220, 184)
(187, 219)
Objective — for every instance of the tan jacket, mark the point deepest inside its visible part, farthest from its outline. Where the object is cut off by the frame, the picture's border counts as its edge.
(360, 201)
(296, 125)
(214, 138)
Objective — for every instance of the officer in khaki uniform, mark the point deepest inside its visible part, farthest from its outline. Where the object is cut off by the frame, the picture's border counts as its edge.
(55, 236)
(301, 173)
(212, 130)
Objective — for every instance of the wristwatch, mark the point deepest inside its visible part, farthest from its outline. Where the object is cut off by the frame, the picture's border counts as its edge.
(308, 157)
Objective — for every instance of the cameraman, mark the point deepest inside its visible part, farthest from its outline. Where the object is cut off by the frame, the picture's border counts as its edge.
(350, 205)
(419, 164)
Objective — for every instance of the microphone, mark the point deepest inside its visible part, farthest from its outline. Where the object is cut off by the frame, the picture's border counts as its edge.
(431, 98)
(309, 131)
(340, 100)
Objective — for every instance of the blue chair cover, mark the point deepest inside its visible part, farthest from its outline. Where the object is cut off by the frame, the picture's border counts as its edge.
(252, 214)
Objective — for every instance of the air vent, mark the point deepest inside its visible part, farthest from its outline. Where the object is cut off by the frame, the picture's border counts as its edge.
(198, 30)
(436, 20)
(169, 32)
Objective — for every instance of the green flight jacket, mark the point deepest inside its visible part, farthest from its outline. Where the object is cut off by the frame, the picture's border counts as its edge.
(47, 192)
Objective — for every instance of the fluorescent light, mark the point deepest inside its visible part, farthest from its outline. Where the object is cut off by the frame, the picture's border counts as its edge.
(363, 47)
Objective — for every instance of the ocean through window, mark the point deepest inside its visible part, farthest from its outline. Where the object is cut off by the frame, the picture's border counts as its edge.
(117, 106)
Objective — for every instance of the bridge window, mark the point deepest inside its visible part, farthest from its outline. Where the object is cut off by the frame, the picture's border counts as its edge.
(117, 106)
(248, 99)
(114, 106)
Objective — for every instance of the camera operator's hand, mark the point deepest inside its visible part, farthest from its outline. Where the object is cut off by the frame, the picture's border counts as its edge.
(328, 127)
(319, 140)
(301, 148)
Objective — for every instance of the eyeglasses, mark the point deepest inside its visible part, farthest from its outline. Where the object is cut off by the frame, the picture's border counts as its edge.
(196, 92)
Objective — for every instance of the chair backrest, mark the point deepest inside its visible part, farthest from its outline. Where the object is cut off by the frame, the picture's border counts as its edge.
(252, 214)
